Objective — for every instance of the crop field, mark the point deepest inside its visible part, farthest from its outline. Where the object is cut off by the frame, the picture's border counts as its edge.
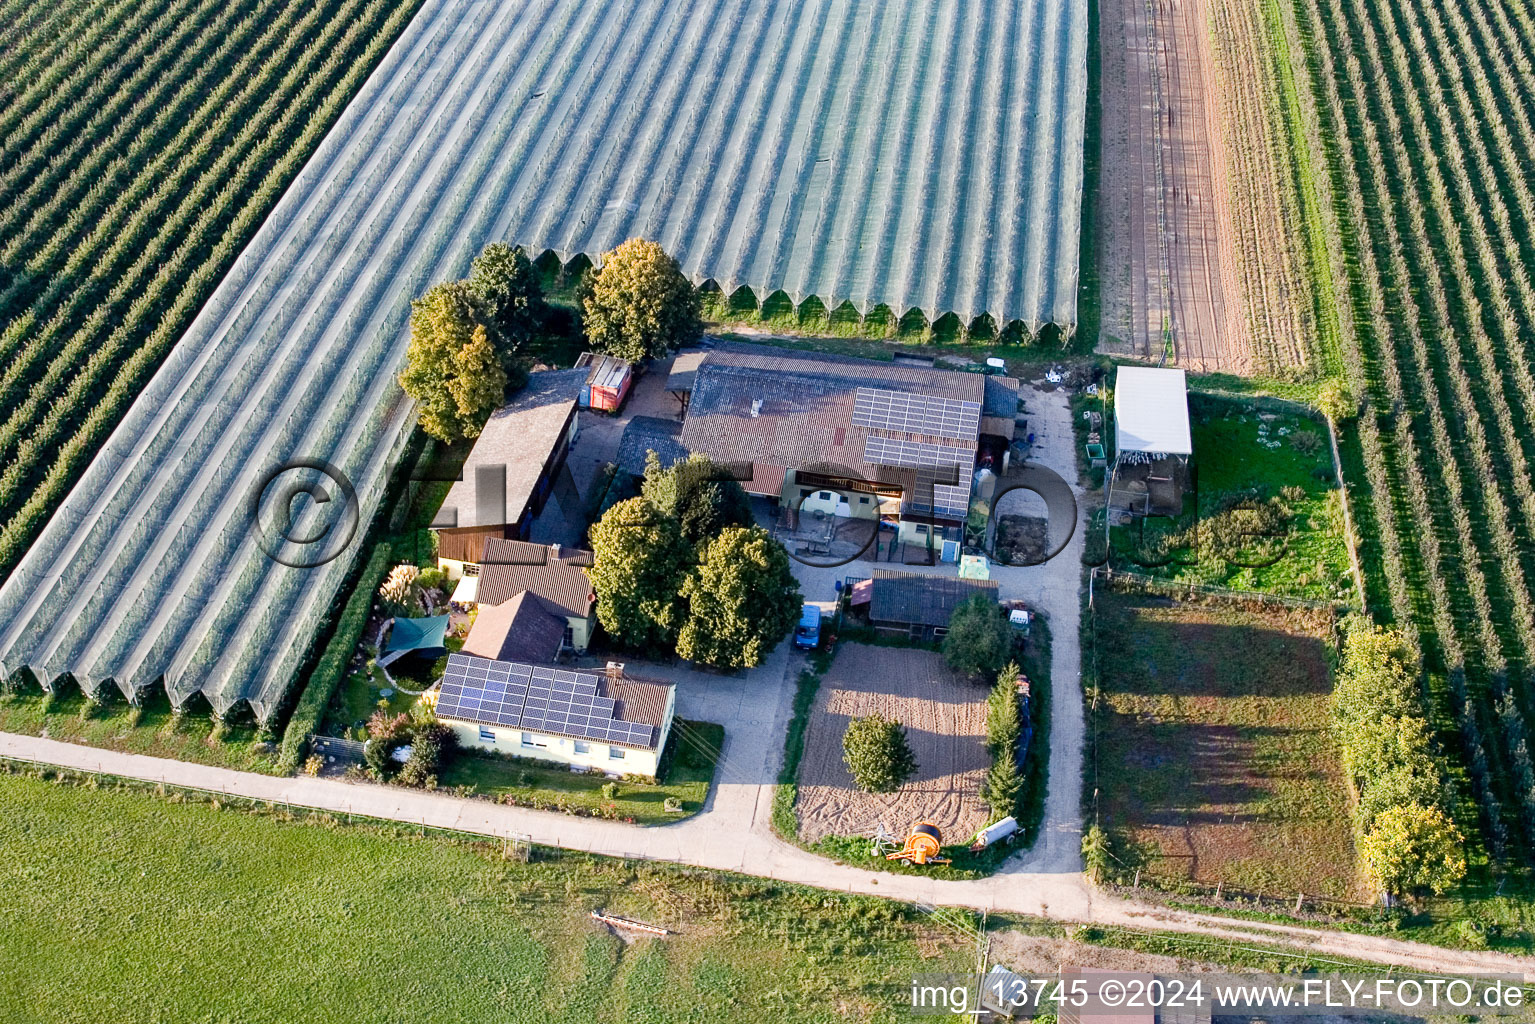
(1432, 107)
(1206, 199)
(945, 719)
(154, 910)
(1213, 753)
(813, 146)
(143, 143)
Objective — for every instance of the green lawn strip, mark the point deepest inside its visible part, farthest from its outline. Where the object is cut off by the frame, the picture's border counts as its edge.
(1239, 452)
(153, 730)
(689, 769)
(1214, 761)
(1240, 955)
(153, 908)
(784, 821)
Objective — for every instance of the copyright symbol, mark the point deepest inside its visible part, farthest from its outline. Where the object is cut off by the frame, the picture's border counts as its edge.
(1112, 992)
(303, 513)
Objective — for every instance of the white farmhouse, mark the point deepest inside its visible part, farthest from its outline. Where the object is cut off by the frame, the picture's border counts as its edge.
(605, 720)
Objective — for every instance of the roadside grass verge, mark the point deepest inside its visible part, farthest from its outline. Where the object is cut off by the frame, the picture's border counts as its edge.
(688, 771)
(147, 903)
(153, 729)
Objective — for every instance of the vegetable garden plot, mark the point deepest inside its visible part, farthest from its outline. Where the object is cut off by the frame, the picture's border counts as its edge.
(829, 147)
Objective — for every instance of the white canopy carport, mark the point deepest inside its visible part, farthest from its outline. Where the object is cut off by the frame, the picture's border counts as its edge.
(1151, 411)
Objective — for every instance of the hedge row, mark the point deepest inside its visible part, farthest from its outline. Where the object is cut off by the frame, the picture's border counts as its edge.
(310, 710)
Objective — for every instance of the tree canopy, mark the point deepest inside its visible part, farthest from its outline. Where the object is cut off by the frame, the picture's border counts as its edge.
(979, 641)
(506, 286)
(639, 561)
(639, 304)
(877, 754)
(451, 367)
(1411, 848)
(742, 600)
(698, 494)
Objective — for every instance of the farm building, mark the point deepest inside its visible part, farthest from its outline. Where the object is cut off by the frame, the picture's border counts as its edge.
(511, 568)
(915, 605)
(608, 380)
(1152, 440)
(833, 436)
(511, 471)
(646, 434)
(602, 720)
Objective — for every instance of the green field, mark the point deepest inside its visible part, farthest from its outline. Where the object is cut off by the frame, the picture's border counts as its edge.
(126, 906)
(1213, 757)
(1427, 112)
(1248, 456)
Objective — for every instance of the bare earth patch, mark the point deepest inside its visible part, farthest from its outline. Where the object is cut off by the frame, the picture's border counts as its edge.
(1215, 756)
(945, 719)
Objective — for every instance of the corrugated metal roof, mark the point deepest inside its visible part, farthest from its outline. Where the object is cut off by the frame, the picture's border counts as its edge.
(511, 451)
(1151, 411)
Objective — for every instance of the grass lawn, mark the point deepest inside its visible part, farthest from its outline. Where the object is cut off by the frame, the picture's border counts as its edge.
(153, 730)
(1242, 452)
(693, 750)
(152, 910)
(1214, 758)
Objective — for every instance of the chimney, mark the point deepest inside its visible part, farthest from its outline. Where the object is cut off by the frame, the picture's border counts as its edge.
(615, 670)
(554, 552)
(756, 407)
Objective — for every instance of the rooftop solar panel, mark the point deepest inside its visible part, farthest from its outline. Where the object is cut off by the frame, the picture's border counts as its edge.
(880, 409)
(886, 451)
(536, 698)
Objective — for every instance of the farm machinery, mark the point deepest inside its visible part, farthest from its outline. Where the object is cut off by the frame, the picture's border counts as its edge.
(923, 845)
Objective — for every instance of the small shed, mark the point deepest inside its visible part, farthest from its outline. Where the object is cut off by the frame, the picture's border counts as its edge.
(607, 382)
(1151, 412)
(919, 606)
(1152, 441)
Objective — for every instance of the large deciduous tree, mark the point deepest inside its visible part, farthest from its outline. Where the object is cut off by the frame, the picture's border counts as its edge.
(639, 305)
(742, 600)
(639, 561)
(505, 284)
(979, 640)
(698, 494)
(451, 367)
(1411, 848)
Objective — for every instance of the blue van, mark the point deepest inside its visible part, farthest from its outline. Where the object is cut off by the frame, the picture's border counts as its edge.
(808, 633)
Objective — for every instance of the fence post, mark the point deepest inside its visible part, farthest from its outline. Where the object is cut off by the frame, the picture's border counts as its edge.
(1298, 898)
(1137, 883)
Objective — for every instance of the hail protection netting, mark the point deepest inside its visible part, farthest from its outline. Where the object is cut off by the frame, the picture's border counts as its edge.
(921, 155)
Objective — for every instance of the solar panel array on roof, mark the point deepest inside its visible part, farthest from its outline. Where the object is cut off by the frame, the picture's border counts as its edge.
(880, 409)
(548, 700)
(951, 501)
(887, 451)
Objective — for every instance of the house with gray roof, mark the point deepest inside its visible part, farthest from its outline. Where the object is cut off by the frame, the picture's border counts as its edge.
(605, 720)
(511, 470)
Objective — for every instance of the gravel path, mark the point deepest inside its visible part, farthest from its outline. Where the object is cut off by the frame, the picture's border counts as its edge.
(734, 833)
